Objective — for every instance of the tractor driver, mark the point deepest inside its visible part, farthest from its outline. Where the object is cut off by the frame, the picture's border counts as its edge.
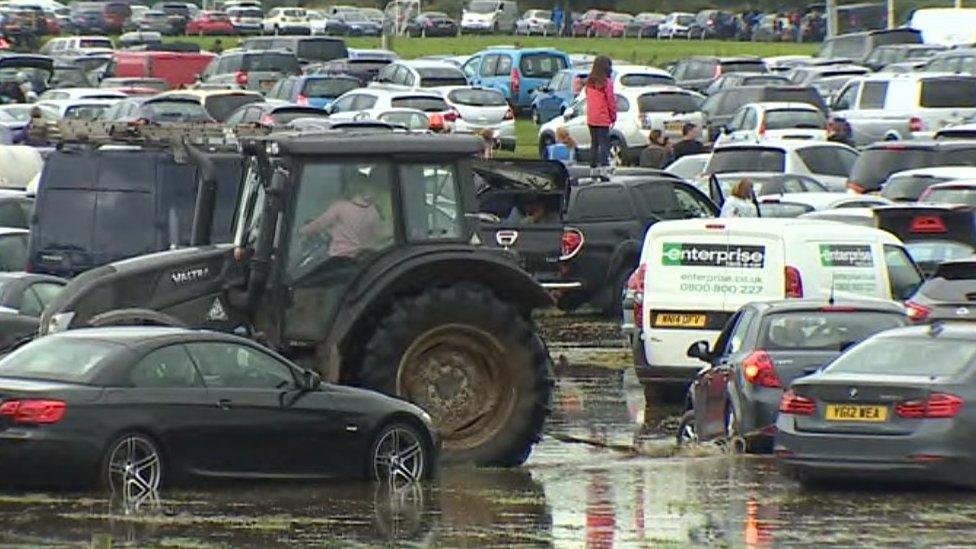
(353, 223)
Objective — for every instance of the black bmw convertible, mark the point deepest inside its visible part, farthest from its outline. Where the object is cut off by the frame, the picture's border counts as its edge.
(131, 408)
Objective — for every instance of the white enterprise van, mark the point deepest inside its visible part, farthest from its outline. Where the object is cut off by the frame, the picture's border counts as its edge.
(696, 273)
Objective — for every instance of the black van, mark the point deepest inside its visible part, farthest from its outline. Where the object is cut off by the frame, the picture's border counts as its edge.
(308, 49)
(98, 206)
(857, 46)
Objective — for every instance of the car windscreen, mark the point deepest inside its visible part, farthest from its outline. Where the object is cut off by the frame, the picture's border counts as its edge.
(828, 160)
(667, 102)
(322, 50)
(907, 356)
(854, 46)
(70, 77)
(787, 119)
(948, 93)
(743, 66)
(541, 65)
(329, 87)
(477, 98)
(642, 80)
(875, 165)
(426, 104)
(95, 43)
(174, 111)
(284, 116)
(823, 330)
(482, 6)
(908, 187)
(221, 106)
(57, 359)
(433, 77)
(747, 159)
(271, 62)
(951, 195)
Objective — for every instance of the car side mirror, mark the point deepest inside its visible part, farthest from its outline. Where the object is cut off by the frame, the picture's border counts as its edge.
(311, 381)
(699, 350)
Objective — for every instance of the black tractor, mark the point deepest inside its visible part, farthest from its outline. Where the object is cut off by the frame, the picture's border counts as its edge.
(356, 254)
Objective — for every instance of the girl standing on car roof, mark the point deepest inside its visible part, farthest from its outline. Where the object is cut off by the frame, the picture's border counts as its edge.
(601, 111)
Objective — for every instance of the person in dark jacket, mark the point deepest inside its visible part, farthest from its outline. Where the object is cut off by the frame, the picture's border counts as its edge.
(657, 153)
(689, 143)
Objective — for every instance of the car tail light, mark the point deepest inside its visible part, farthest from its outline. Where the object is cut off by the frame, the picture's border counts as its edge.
(758, 370)
(794, 404)
(937, 405)
(516, 82)
(792, 282)
(452, 116)
(301, 99)
(855, 187)
(572, 242)
(509, 114)
(34, 412)
(240, 77)
(928, 224)
(915, 124)
(916, 312)
(635, 285)
(762, 129)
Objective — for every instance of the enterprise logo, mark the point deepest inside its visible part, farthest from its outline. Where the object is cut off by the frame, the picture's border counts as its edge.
(713, 255)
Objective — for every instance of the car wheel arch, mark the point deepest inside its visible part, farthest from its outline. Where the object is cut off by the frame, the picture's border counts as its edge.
(400, 417)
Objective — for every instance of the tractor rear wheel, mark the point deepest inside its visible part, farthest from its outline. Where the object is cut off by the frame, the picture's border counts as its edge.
(473, 362)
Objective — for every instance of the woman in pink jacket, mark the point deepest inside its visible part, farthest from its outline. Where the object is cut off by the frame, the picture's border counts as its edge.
(601, 110)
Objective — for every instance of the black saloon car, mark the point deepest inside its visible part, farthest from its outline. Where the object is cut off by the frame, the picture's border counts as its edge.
(133, 407)
(763, 348)
(432, 23)
(22, 298)
(897, 407)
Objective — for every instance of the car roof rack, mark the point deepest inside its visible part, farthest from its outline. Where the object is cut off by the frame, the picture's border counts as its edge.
(174, 136)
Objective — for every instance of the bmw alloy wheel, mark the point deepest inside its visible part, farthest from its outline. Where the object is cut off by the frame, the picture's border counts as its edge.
(399, 456)
(135, 467)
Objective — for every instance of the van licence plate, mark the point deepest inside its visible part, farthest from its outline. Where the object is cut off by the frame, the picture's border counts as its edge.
(856, 412)
(674, 126)
(680, 320)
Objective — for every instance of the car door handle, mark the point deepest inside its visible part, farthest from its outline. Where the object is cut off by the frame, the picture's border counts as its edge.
(224, 403)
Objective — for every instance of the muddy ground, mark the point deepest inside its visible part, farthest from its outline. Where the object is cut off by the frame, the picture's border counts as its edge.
(600, 478)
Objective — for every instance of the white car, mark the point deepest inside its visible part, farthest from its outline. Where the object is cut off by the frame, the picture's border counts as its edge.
(246, 19)
(352, 103)
(286, 21)
(639, 110)
(494, 16)
(755, 122)
(908, 185)
(826, 201)
(640, 76)
(675, 25)
(828, 162)
(87, 109)
(482, 109)
(317, 22)
(536, 22)
(419, 73)
(80, 93)
(77, 45)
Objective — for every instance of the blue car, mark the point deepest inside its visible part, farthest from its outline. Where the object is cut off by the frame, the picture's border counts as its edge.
(314, 90)
(515, 72)
(552, 99)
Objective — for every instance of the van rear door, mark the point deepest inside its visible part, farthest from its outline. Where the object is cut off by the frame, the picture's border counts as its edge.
(754, 268)
(842, 267)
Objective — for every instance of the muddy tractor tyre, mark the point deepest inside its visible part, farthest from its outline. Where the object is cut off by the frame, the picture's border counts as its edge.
(135, 317)
(473, 362)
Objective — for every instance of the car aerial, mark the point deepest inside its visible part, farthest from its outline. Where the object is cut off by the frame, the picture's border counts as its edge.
(756, 122)
(761, 349)
(415, 74)
(219, 104)
(737, 79)
(957, 192)
(693, 275)
(697, 73)
(828, 162)
(883, 56)
(536, 22)
(675, 25)
(179, 399)
(910, 185)
(358, 24)
(286, 20)
(432, 23)
(246, 19)
(892, 408)
(211, 22)
(159, 110)
(256, 70)
(879, 160)
(348, 105)
(13, 249)
(645, 24)
(480, 110)
(612, 25)
(88, 109)
(516, 72)
(80, 93)
(272, 113)
(904, 106)
(639, 110)
(318, 90)
(22, 298)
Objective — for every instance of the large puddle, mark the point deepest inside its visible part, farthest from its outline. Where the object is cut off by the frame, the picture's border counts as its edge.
(606, 475)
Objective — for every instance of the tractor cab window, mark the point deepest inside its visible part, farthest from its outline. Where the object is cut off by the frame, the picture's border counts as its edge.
(250, 210)
(430, 202)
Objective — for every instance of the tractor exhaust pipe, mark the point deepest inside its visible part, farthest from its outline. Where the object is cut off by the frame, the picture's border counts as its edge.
(203, 211)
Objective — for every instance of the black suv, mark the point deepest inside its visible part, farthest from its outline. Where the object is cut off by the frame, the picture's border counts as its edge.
(696, 73)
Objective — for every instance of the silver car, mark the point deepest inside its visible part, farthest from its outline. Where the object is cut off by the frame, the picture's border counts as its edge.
(249, 70)
(481, 109)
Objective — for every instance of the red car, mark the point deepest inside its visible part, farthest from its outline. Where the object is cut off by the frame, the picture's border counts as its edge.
(584, 25)
(210, 22)
(611, 25)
